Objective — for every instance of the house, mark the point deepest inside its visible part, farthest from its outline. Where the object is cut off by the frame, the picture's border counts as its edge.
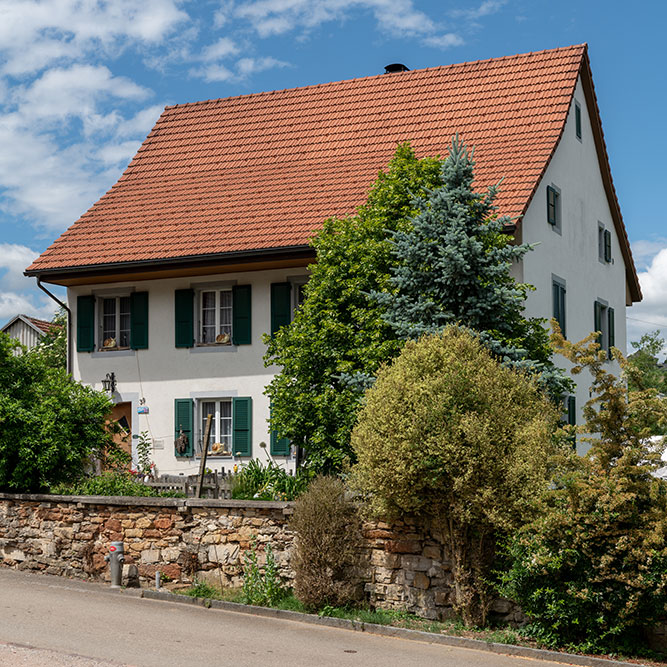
(201, 247)
(27, 330)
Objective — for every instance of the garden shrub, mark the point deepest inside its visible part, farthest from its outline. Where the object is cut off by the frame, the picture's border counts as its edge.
(449, 434)
(111, 483)
(262, 586)
(327, 556)
(256, 481)
(592, 569)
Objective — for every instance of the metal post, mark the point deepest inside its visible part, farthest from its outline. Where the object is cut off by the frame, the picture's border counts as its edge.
(116, 558)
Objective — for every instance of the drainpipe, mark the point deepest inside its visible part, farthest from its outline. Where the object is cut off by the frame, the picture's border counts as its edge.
(69, 323)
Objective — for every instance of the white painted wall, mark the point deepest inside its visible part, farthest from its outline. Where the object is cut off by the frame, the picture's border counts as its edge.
(163, 372)
(25, 334)
(572, 255)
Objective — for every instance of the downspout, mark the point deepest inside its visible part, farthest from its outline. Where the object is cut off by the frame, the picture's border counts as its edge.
(69, 322)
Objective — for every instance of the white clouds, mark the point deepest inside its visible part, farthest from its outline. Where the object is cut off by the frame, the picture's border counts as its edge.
(395, 18)
(16, 291)
(486, 8)
(651, 313)
(221, 49)
(248, 66)
(35, 34)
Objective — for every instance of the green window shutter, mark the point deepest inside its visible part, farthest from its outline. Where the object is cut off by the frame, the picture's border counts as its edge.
(558, 293)
(607, 245)
(571, 410)
(242, 426)
(279, 446)
(85, 323)
(597, 320)
(184, 317)
(139, 320)
(551, 205)
(183, 422)
(610, 323)
(241, 315)
(281, 305)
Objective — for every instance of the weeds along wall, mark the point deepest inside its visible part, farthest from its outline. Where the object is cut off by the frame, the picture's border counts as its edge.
(404, 565)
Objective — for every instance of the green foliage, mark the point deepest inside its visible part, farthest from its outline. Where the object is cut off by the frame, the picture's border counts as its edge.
(591, 570)
(338, 338)
(326, 559)
(646, 371)
(448, 433)
(453, 266)
(50, 425)
(145, 465)
(263, 588)
(256, 481)
(110, 483)
(52, 348)
(201, 589)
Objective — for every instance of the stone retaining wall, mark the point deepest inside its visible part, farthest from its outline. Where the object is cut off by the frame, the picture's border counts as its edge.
(188, 538)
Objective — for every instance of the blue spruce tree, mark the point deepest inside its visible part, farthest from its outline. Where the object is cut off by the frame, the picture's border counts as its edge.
(453, 265)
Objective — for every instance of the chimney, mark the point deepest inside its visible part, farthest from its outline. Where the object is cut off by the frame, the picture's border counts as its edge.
(395, 67)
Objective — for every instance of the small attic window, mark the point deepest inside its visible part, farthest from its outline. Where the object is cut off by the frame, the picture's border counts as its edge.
(577, 119)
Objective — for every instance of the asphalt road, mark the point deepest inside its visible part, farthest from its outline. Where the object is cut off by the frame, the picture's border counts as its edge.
(58, 622)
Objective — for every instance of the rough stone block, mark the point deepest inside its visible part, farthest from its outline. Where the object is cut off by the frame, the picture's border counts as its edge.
(403, 546)
(150, 556)
(416, 563)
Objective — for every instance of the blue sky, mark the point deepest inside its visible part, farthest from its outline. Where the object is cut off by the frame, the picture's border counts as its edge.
(83, 81)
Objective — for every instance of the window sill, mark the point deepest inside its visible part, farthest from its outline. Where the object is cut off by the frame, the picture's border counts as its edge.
(212, 347)
(113, 352)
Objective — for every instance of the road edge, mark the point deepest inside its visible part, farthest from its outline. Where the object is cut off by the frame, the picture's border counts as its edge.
(389, 631)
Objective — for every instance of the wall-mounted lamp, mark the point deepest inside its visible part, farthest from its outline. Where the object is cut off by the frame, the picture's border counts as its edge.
(109, 383)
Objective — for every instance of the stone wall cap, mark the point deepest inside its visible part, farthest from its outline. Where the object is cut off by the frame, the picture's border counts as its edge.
(138, 501)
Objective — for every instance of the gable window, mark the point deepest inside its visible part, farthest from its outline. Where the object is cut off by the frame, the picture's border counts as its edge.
(553, 208)
(558, 296)
(604, 244)
(604, 324)
(577, 119)
(112, 322)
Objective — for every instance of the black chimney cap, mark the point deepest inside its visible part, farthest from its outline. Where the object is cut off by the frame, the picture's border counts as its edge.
(395, 67)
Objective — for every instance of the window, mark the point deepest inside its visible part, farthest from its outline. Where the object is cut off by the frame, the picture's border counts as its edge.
(215, 317)
(604, 244)
(604, 323)
(231, 427)
(577, 119)
(115, 322)
(553, 207)
(558, 292)
(122, 322)
(220, 438)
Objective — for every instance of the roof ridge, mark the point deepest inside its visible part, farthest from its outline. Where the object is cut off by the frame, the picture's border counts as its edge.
(573, 47)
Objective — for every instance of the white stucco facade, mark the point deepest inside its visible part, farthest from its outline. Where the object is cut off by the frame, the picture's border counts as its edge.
(153, 378)
(149, 380)
(569, 251)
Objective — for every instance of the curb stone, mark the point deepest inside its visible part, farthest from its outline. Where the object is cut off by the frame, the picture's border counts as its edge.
(389, 631)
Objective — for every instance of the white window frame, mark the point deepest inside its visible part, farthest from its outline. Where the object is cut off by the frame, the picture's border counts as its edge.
(100, 297)
(217, 288)
(220, 445)
(298, 283)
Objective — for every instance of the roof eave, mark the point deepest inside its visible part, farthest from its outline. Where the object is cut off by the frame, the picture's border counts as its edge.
(52, 275)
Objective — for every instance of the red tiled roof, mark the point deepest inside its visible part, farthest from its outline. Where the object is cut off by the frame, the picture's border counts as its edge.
(263, 171)
(42, 325)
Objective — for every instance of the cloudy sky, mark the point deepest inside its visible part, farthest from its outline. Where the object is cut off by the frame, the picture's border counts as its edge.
(83, 81)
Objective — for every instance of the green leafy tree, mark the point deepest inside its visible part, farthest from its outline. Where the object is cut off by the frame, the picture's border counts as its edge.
(645, 361)
(591, 570)
(453, 265)
(449, 434)
(338, 337)
(50, 425)
(53, 345)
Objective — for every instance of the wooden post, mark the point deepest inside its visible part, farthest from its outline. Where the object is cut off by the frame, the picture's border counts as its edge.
(204, 453)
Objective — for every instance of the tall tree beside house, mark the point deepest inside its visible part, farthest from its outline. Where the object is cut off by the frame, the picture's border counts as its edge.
(50, 425)
(453, 265)
(338, 336)
(53, 345)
